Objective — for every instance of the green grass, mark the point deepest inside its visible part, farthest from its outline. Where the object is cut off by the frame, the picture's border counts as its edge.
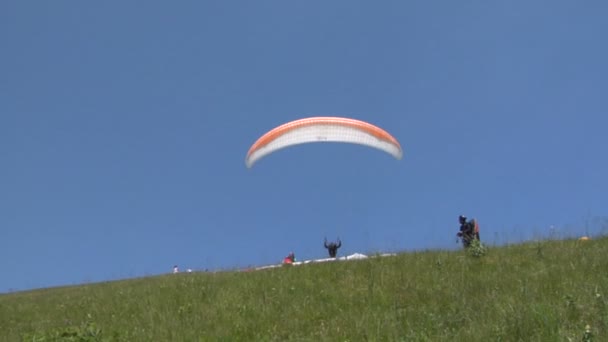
(540, 291)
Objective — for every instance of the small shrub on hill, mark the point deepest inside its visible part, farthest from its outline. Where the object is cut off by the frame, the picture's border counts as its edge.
(476, 249)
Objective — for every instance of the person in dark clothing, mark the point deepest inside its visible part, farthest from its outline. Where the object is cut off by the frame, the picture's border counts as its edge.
(332, 247)
(468, 231)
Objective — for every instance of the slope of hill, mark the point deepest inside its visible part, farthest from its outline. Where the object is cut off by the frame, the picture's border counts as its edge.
(539, 291)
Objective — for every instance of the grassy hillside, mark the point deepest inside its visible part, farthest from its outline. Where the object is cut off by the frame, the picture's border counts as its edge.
(541, 291)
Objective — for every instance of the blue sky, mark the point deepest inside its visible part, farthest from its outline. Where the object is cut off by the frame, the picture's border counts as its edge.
(124, 127)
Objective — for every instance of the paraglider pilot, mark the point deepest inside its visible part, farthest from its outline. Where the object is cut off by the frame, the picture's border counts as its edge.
(468, 231)
(290, 258)
(332, 247)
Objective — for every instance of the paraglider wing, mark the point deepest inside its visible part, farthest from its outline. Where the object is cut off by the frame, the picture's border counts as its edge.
(323, 129)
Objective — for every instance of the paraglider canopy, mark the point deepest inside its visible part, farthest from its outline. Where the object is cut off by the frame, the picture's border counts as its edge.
(323, 129)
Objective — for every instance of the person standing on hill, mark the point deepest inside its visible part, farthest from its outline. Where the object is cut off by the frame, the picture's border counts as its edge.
(332, 247)
(469, 231)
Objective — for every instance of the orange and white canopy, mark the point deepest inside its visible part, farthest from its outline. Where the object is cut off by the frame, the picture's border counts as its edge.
(323, 129)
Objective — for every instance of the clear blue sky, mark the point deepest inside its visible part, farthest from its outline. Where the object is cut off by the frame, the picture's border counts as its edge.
(124, 127)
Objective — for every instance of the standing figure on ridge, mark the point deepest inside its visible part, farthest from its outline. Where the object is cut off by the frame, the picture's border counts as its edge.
(469, 231)
(332, 247)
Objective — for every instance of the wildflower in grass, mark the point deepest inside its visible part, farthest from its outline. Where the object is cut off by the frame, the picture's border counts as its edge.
(588, 335)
